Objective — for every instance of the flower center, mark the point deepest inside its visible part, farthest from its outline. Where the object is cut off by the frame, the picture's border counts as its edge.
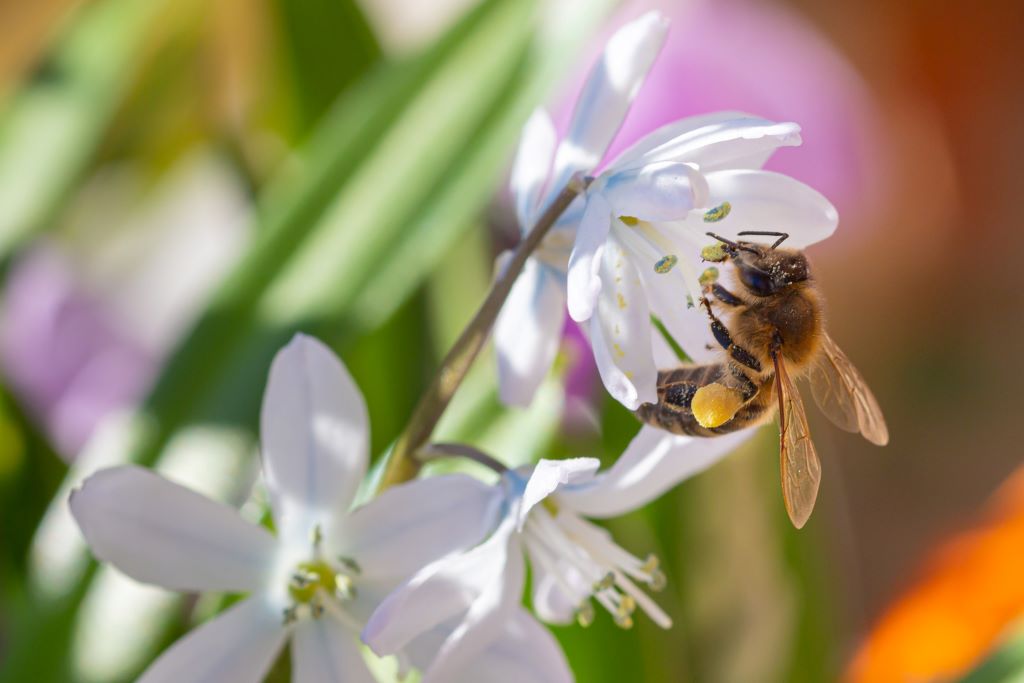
(587, 564)
(319, 584)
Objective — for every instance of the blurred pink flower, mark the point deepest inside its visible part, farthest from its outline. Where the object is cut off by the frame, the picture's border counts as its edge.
(762, 58)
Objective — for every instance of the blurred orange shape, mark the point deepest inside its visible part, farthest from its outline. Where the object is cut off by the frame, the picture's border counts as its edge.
(968, 592)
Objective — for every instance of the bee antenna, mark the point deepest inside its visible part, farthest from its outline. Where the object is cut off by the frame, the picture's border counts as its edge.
(723, 240)
(783, 236)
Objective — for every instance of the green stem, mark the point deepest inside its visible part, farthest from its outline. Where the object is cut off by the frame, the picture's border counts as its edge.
(404, 465)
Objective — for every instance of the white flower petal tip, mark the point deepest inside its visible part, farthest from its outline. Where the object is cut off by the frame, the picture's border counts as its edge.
(608, 93)
(548, 476)
(314, 434)
(164, 534)
(764, 200)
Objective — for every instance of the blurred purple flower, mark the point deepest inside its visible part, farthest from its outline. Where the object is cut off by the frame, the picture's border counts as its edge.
(86, 321)
(62, 353)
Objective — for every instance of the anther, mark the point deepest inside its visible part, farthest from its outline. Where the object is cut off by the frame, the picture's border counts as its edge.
(606, 582)
(624, 622)
(717, 213)
(585, 614)
(350, 564)
(631, 221)
(658, 581)
(290, 614)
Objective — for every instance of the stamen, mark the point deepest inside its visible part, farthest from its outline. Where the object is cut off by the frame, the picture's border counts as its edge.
(708, 277)
(585, 614)
(351, 565)
(631, 221)
(717, 213)
(665, 264)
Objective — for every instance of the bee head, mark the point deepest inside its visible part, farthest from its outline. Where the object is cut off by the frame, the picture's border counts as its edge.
(765, 269)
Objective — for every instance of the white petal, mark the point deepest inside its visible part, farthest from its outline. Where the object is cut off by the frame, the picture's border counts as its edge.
(409, 526)
(528, 332)
(324, 651)
(445, 589)
(238, 646)
(485, 621)
(671, 294)
(627, 157)
(762, 200)
(584, 282)
(532, 165)
(620, 334)
(657, 192)
(654, 462)
(736, 143)
(550, 475)
(607, 95)
(524, 651)
(315, 436)
(551, 602)
(161, 533)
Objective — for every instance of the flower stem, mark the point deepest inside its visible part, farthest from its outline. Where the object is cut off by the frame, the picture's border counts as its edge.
(435, 451)
(404, 465)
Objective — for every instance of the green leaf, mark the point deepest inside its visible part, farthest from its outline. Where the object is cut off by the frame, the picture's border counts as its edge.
(1005, 664)
(328, 45)
(51, 129)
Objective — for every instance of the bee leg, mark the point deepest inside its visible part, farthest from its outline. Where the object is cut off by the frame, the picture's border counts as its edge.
(724, 296)
(748, 390)
(722, 336)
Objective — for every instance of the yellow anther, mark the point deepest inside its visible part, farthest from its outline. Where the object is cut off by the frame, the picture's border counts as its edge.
(715, 253)
(585, 614)
(657, 582)
(631, 221)
(665, 264)
(344, 588)
(650, 564)
(627, 605)
(624, 622)
(606, 582)
(717, 213)
(714, 404)
(708, 277)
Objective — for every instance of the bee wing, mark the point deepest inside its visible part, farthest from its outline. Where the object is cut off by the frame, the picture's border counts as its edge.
(843, 396)
(801, 469)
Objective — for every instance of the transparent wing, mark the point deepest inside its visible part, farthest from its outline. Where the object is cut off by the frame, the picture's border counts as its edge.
(842, 395)
(801, 469)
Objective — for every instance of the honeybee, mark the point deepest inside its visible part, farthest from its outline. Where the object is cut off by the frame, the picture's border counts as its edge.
(776, 334)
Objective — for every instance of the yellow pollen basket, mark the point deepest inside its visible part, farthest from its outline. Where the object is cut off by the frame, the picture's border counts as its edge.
(714, 405)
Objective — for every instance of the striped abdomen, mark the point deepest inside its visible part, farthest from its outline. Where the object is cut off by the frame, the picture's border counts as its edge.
(676, 388)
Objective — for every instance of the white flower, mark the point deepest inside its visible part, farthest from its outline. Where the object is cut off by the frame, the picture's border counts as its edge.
(317, 580)
(638, 244)
(529, 327)
(454, 614)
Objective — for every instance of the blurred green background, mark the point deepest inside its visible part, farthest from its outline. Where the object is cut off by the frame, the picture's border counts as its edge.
(185, 184)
